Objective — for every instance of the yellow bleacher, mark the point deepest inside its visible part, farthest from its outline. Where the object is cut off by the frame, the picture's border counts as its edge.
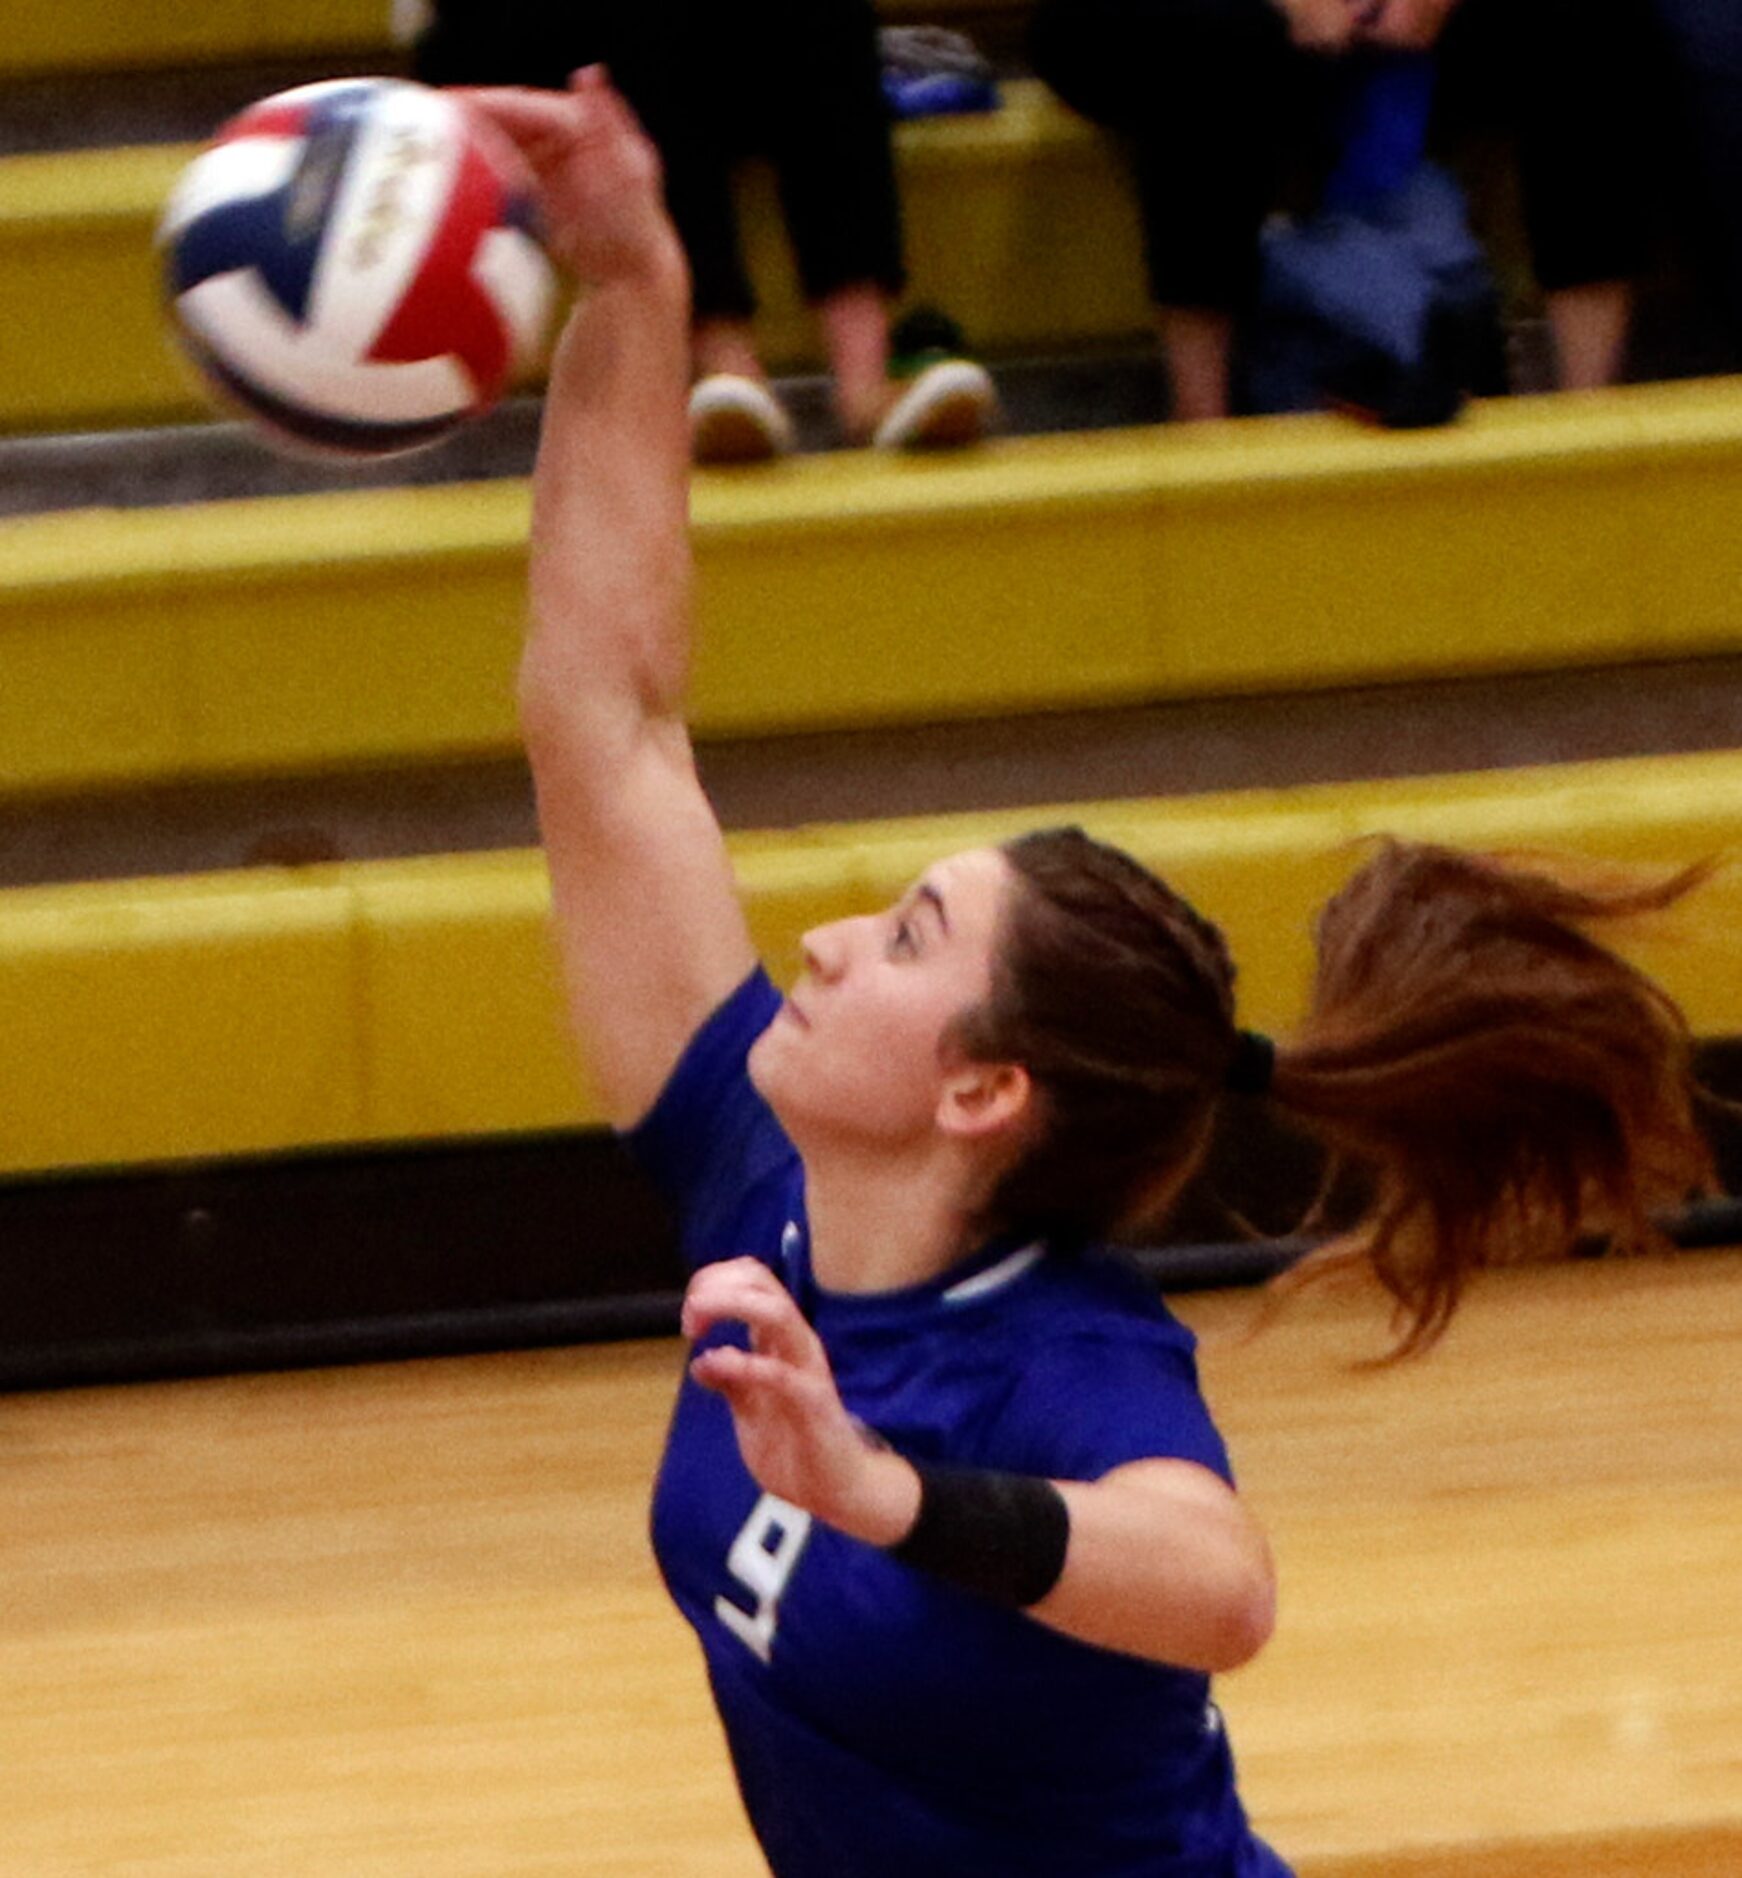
(84, 35)
(300, 632)
(382, 1001)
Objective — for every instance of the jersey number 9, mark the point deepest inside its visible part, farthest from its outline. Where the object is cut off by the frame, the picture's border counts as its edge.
(763, 1557)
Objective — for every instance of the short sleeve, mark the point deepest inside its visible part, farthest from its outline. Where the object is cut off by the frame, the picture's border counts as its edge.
(711, 1145)
(1088, 1402)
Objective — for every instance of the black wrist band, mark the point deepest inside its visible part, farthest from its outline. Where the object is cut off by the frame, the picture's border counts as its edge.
(1001, 1536)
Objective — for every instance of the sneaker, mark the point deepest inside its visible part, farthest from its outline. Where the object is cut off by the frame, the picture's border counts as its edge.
(948, 401)
(737, 420)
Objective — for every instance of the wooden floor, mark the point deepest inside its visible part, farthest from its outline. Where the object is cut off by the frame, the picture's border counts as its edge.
(402, 1623)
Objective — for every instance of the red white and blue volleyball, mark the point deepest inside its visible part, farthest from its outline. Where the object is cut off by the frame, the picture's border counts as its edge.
(356, 264)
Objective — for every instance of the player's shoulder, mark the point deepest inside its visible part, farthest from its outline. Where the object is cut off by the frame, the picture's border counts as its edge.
(1097, 1372)
(1098, 1292)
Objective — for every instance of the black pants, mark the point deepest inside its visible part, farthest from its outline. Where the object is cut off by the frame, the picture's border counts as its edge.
(1704, 39)
(795, 81)
(1217, 104)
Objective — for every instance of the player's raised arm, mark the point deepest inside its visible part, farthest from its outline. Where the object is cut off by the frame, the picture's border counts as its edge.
(648, 922)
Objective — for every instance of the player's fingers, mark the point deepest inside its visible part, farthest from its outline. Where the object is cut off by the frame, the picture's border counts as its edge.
(597, 91)
(771, 1316)
(549, 126)
(610, 116)
(529, 117)
(628, 119)
(703, 1295)
(722, 1286)
(745, 1378)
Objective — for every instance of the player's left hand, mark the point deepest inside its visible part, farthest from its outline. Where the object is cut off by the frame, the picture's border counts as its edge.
(793, 1430)
(1405, 25)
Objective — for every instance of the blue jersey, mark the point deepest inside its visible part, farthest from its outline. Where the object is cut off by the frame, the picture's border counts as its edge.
(880, 1722)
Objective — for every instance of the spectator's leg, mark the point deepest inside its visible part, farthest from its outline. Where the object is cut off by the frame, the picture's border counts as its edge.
(1199, 348)
(683, 66)
(1574, 78)
(672, 61)
(855, 322)
(1207, 95)
(698, 192)
(825, 125)
(1590, 326)
(722, 344)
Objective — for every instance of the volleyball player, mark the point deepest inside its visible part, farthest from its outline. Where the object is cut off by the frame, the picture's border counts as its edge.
(941, 1497)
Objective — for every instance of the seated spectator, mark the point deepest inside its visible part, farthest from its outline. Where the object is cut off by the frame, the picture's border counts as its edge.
(799, 84)
(1217, 99)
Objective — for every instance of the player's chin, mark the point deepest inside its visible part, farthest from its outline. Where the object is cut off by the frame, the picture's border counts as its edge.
(766, 1061)
(783, 1071)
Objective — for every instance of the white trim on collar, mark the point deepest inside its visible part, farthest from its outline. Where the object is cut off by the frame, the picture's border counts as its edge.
(993, 1276)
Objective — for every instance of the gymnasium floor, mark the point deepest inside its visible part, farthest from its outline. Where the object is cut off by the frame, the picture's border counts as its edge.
(402, 1623)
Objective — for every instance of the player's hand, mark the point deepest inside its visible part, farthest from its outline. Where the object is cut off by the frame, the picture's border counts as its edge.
(597, 171)
(793, 1430)
(1406, 25)
(1325, 25)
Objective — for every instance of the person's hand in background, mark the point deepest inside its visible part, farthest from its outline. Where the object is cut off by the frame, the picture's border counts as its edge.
(1324, 25)
(1404, 25)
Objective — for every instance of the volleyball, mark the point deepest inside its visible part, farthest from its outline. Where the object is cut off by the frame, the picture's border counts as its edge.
(356, 265)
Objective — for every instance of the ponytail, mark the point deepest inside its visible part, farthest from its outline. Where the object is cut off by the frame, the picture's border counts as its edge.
(1505, 1082)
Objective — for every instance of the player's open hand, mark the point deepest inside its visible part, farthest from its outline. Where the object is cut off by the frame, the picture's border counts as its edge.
(793, 1430)
(597, 171)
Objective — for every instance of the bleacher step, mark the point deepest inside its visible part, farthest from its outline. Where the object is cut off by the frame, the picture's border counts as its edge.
(1506, 721)
(301, 634)
(418, 999)
(1096, 388)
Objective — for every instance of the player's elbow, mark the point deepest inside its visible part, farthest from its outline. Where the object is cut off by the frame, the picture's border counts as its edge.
(575, 726)
(584, 700)
(552, 692)
(1184, 1573)
(1221, 1629)
(1244, 1621)
(1230, 1619)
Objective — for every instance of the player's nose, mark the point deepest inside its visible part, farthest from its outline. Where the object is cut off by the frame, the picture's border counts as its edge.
(824, 950)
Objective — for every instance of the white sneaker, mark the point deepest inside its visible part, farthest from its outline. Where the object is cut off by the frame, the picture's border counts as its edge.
(951, 402)
(737, 420)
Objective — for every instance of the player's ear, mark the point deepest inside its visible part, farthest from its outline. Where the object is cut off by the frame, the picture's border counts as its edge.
(980, 1100)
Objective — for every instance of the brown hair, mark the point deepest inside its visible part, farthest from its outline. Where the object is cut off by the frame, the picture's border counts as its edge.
(1505, 1081)
(1118, 999)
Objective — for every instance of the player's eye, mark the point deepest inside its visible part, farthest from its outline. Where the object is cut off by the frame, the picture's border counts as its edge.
(904, 940)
